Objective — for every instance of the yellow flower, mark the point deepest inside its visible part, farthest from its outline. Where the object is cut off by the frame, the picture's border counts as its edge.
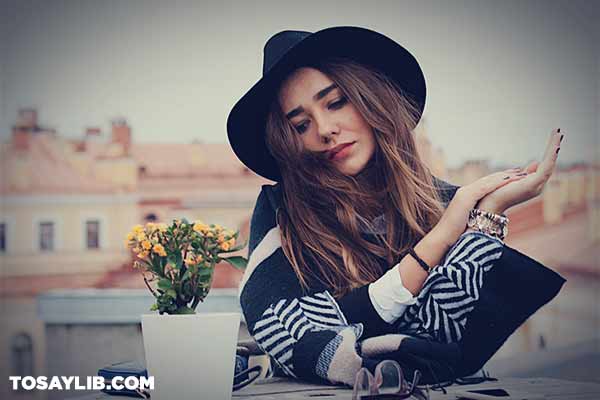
(160, 250)
(140, 237)
(146, 245)
(209, 234)
(191, 260)
(136, 249)
(162, 227)
(130, 236)
(224, 246)
(221, 238)
(200, 227)
(218, 227)
(143, 254)
(231, 242)
(138, 229)
(150, 226)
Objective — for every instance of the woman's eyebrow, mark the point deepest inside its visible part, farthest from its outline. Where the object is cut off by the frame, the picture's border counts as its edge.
(320, 94)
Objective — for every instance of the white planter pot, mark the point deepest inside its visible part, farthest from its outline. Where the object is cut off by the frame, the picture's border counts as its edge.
(191, 357)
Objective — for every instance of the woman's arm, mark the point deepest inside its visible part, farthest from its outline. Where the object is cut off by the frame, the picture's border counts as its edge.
(431, 248)
(436, 243)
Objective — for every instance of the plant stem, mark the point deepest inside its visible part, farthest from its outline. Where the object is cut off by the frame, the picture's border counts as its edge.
(149, 288)
(195, 303)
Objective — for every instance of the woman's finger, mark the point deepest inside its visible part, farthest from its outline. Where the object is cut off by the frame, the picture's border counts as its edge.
(552, 143)
(532, 167)
(496, 180)
(547, 165)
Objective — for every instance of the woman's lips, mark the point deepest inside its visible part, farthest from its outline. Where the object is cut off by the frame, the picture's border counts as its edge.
(342, 153)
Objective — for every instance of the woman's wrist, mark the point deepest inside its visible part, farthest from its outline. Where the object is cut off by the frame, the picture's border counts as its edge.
(439, 239)
(490, 205)
(431, 249)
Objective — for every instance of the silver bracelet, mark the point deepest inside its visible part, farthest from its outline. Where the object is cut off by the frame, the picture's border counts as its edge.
(495, 225)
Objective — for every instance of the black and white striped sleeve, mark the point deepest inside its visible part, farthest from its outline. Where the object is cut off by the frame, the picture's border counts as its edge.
(452, 289)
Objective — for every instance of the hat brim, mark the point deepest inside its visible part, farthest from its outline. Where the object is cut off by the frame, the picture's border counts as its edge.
(247, 120)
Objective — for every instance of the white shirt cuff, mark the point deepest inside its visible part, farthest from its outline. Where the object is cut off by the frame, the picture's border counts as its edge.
(389, 296)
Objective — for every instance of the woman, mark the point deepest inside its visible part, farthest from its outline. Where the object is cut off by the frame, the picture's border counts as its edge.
(358, 240)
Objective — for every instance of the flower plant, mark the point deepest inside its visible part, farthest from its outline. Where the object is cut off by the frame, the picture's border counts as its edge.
(177, 261)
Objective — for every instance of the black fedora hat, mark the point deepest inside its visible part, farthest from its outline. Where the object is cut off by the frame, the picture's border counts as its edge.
(288, 50)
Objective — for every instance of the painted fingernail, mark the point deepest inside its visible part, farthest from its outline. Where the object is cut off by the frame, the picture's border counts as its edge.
(506, 177)
(558, 130)
(561, 138)
(523, 174)
(557, 150)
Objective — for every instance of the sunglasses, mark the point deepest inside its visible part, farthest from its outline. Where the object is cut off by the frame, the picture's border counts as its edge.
(387, 383)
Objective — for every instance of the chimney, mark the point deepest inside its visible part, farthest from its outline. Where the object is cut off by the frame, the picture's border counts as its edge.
(21, 138)
(22, 130)
(121, 133)
(27, 118)
(92, 132)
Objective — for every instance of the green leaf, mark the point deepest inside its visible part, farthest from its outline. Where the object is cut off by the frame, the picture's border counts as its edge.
(154, 307)
(165, 284)
(175, 259)
(237, 262)
(184, 310)
(171, 293)
(205, 272)
(187, 275)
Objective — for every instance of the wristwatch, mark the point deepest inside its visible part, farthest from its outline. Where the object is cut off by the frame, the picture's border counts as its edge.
(495, 225)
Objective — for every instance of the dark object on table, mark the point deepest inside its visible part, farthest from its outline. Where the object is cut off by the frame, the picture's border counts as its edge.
(123, 369)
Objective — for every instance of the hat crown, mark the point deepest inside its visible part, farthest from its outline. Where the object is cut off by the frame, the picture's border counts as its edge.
(278, 45)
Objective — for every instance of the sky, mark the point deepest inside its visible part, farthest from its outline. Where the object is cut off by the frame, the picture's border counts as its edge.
(500, 74)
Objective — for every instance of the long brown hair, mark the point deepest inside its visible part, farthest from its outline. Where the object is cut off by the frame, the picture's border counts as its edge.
(323, 209)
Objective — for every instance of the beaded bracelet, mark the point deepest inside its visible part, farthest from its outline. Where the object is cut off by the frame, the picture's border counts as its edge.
(422, 263)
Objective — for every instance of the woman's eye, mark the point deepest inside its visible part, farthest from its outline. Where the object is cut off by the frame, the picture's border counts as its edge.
(338, 103)
(301, 128)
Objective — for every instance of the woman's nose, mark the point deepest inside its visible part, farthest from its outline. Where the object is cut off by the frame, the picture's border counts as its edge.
(326, 127)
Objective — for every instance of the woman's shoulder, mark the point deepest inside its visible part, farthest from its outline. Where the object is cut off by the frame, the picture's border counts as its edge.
(445, 189)
(271, 193)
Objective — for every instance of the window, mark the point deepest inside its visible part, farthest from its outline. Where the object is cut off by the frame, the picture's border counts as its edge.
(21, 354)
(47, 236)
(2, 237)
(92, 234)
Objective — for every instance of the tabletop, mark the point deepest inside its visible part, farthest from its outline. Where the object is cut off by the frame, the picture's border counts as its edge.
(285, 388)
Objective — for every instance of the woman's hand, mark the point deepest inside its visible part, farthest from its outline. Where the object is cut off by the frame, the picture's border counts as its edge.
(454, 220)
(530, 186)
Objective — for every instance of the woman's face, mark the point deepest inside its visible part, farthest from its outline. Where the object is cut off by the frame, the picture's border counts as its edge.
(324, 119)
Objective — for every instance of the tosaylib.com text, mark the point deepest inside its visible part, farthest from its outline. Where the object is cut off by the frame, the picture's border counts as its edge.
(76, 383)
